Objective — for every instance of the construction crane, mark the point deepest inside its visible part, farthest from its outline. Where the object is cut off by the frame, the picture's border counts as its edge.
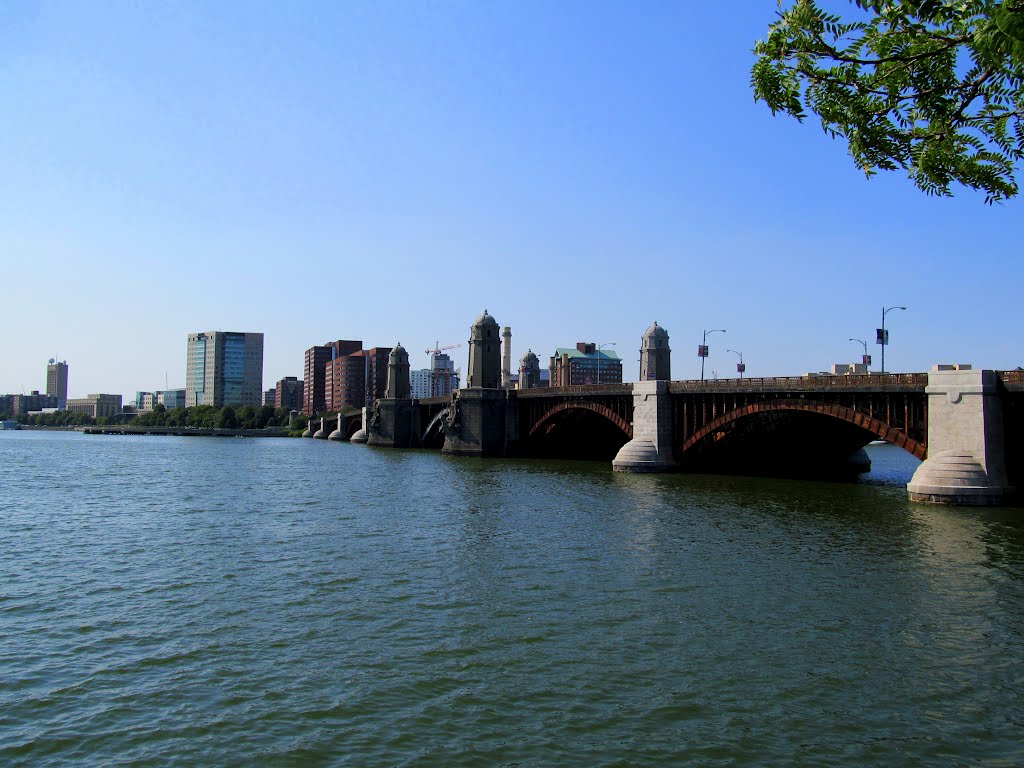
(438, 350)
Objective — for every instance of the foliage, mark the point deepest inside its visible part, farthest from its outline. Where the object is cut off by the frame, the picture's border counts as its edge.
(208, 417)
(226, 419)
(935, 87)
(56, 419)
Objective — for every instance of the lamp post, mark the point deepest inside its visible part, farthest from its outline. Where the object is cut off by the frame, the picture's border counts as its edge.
(866, 359)
(883, 337)
(740, 366)
(702, 350)
(599, 348)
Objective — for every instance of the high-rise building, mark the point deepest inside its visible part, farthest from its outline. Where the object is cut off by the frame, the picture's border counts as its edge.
(314, 372)
(345, 382)
(376, 373)
(443, 379)
(419, 383)
(57, 382)
(288, 393)
(224, 368)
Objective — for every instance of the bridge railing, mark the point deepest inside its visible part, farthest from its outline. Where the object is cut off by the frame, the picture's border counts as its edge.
(815, 383)
(577, 389)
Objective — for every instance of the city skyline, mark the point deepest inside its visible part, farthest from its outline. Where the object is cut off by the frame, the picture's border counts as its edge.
(388, 172)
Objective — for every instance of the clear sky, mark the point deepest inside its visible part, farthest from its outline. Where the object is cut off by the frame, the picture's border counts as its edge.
(385, 171)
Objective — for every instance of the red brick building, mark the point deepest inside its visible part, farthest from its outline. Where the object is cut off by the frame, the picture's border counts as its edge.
(314, 372)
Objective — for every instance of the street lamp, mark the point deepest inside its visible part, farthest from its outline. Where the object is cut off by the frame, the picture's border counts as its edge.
(866, 359)
(882, 336)
(599, 347)
(702, 350)
(740, 366)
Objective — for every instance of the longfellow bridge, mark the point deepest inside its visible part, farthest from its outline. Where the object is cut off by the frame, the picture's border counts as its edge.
(966, 425)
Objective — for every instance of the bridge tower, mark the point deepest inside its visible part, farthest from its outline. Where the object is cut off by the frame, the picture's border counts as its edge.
(650, 450)
(966, 461)
(398, 385)
(483, 418)
(393, 421)
(655, 355)
(484, 354)
(529, 370)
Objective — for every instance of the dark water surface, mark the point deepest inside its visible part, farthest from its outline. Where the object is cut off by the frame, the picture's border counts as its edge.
(209, 602)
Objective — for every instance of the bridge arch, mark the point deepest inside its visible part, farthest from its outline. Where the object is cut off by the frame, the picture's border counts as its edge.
(875, 426)
(586, 405)
(353, 425)
(433, 435)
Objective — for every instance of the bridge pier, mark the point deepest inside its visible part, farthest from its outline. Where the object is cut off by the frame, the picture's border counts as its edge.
(361, 436)
(483, 422)
(394, 423)
(966, 461)
(650, 450)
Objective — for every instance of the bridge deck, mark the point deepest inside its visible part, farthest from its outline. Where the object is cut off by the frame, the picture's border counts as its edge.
(872, 382)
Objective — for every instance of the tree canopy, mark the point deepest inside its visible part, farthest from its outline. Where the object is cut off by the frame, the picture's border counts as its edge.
(935, 87)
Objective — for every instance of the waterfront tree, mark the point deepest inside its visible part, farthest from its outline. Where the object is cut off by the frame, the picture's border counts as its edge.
(935, 87)
(227, 419)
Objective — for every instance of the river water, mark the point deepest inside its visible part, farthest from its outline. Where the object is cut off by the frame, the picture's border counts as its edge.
(217, 602)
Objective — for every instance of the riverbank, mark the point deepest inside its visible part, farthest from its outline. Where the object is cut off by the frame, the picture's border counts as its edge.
(124, 429)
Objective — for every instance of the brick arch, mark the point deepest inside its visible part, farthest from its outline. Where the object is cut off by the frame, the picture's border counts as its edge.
(583, 405)
(876, 427)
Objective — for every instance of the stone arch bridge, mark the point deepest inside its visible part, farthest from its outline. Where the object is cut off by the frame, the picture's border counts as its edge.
(966, 425)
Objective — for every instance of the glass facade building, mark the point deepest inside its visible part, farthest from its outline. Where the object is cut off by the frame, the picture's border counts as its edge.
(224, 368)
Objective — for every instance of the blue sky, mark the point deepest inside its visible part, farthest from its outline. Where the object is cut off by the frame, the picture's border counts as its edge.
(385, 171)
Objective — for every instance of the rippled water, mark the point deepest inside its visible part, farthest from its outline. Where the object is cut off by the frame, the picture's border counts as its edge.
(292, 602)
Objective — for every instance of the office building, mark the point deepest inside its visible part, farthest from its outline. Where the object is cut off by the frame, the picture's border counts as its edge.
(224, 368)
(21, 404)
(144, 401)
(57, 381)
(96, 406)
(288, 393)
(585, 365)
(314, 372)
(345, 382)
(171, 398)
(419, 382)
(168, 398)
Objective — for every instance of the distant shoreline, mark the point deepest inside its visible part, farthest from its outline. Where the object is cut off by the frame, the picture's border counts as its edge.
(124, 429)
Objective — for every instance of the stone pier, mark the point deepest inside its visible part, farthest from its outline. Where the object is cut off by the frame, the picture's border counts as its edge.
(650, 450)
(966, 461)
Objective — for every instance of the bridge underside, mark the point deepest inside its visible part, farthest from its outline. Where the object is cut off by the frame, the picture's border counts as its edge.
(785, 443)
(812, 433)
(575, 433)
